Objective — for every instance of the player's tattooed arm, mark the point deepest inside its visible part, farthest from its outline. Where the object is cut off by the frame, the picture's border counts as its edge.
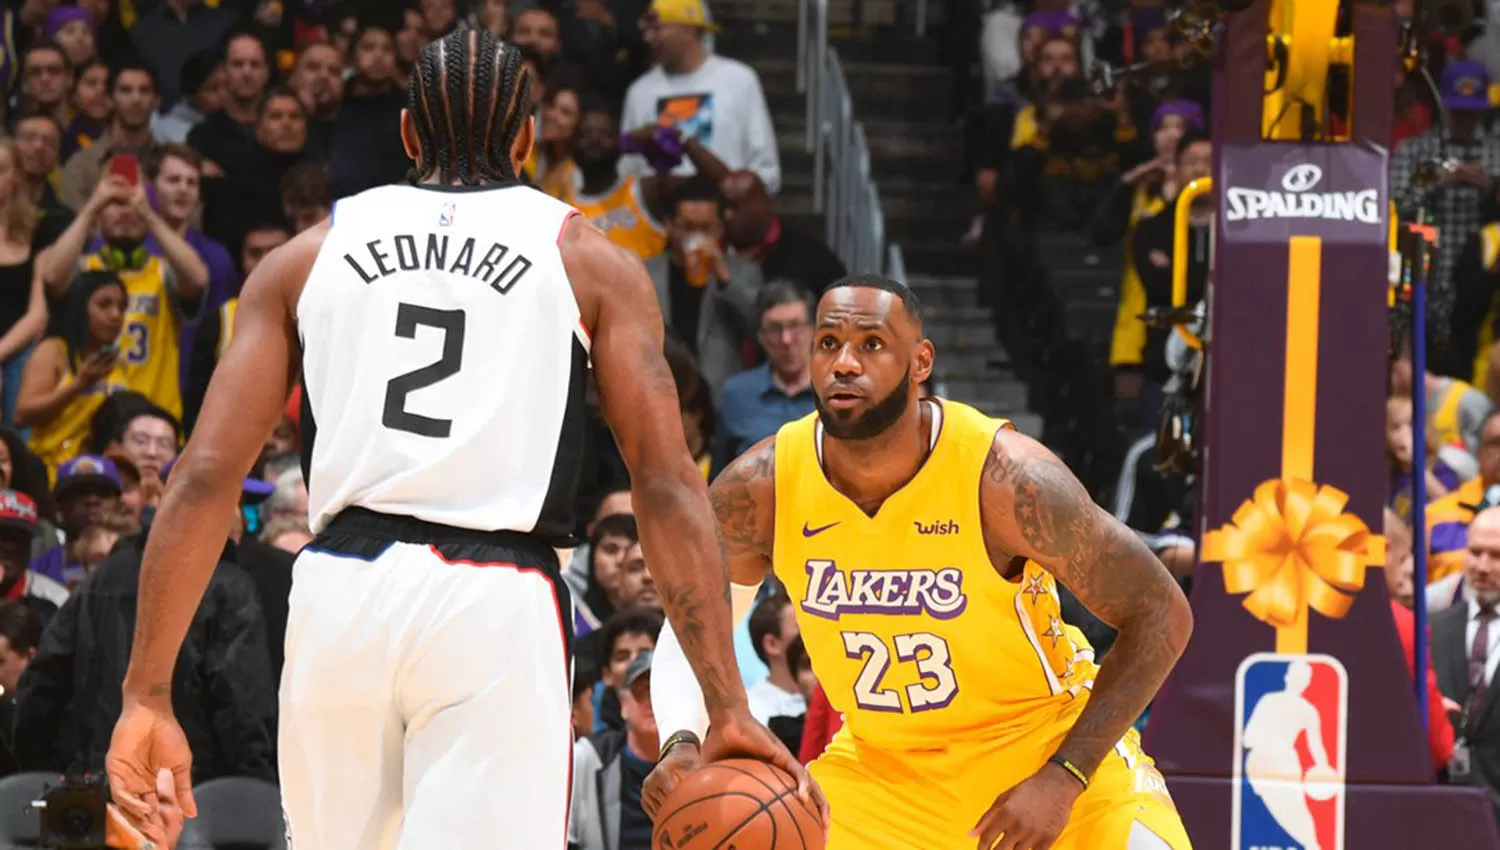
(638, 398)
(744, 500)
(1035, 508)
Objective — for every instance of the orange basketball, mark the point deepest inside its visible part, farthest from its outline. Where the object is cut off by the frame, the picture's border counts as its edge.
(740, 803)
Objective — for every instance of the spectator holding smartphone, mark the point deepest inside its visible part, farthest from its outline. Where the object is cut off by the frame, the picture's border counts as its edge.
(71, 374)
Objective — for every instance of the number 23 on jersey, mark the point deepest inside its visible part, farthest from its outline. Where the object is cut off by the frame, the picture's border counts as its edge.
(936, 688)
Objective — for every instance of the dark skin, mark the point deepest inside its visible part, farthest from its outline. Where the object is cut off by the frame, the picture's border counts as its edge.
(1032, 508)
(637, 396)
(597, 150)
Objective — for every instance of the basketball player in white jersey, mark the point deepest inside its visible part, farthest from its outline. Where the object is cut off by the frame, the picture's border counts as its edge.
(442, 331)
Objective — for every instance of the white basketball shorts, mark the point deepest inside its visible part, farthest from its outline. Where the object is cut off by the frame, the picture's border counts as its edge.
(425, 699)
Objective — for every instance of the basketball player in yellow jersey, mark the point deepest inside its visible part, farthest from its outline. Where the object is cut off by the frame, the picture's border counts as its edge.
(973, 714)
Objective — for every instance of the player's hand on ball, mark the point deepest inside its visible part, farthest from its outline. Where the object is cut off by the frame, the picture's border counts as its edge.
(147, 740)
(681, 760)
(1031, 815)
(738, 735)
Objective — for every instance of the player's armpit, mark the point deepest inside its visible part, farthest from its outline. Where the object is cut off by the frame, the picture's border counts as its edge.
(744, 500)
(638, 398)
(243, 405)
(1034, 507)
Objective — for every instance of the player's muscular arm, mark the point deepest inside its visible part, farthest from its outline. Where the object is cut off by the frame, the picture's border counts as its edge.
(638, 398)
(243, 405)
(1034, 507)
(744, 500)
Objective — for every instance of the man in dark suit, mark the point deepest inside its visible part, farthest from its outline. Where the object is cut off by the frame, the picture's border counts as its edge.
(1466, 651)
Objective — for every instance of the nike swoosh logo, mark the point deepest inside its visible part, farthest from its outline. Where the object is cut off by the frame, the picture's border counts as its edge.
(811, 532)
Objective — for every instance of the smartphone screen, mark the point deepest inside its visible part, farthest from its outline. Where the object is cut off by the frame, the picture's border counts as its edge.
(127, 166)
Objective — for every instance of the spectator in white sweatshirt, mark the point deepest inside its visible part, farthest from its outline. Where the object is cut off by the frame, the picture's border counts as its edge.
(715, 100)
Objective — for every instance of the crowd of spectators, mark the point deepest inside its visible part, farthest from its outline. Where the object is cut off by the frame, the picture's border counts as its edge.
(155, 151)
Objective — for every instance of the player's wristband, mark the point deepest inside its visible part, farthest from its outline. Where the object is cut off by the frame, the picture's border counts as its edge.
(678, 738)
(1071, 768)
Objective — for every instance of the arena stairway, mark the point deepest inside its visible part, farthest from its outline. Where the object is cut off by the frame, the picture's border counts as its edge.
(902, 92)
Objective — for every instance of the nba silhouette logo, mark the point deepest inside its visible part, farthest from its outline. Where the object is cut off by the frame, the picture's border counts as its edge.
(1291, 716)
(445, 214)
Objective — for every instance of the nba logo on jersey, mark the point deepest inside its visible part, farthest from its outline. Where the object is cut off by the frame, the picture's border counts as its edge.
(445, 214)
(1291, 715)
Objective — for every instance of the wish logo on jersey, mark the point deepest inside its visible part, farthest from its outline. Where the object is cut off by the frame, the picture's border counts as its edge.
(1291, 715)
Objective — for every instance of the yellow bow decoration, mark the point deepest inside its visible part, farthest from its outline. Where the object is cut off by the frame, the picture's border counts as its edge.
(1291, 547)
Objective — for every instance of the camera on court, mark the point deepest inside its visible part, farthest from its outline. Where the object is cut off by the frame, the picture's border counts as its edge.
(72, 814)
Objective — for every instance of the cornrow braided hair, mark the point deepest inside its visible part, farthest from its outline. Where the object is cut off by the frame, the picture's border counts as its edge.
(469, 97)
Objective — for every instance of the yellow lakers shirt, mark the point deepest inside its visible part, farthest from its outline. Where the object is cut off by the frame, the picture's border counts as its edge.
(622, 216)
(66, 435)
(915, 636)
(149, 341)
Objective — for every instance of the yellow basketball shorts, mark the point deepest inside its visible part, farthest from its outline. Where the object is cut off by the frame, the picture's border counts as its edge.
(883, 799)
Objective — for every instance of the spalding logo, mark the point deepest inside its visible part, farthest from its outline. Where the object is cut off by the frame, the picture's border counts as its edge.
(1297, 201)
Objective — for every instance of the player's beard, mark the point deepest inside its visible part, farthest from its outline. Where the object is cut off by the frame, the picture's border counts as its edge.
(853, 425)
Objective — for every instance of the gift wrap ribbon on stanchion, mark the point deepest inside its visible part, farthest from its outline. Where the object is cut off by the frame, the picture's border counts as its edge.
(1290, 547)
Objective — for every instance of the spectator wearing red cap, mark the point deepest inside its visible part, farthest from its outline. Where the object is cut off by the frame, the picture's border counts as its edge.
(18, 527)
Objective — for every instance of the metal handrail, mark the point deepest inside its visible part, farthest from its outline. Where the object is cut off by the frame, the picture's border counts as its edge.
(843, 189)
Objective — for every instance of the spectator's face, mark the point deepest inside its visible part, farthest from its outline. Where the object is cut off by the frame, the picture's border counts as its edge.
(176, 190)
(281, 127)
(259, 243)
(560, 118)
(1197, 161)
(1154, 46)
(747, 209)
(1401, 375)
(303, 216)
(375, 56)
(296, 508)
(87, 504)
(291, 541)
(609, 557)
(106, 310)
(214, 93)
(37, 141)
(635, 707)
(1031, 40)
(76, 38)
(91, 93)
(245, 66)
(536, 29)
(1398, 430)
(636, 586)
(120, 223)
(494, 15)
(134, 98)
(670, 43)
(627, 647)
(95, 547)
(867, 353)
(1056, 59)
(785, 334)
(1167, 134)
(774, 645)
(583, 714)
(437, 16)
(1482, 563)
(618, 502)
(149, 443)
(319, 77)
(1398, 563)
(15, 552)
(694, 217)
(1489, 452)
(598, 141)
(6, 464)
(411, 38)
(45, 78)
(12, 665)
(282, 442)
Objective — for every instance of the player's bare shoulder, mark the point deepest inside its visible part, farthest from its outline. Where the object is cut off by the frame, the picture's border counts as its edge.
(600, 271)
(281, 276)
(1027, 494)
(744, 501)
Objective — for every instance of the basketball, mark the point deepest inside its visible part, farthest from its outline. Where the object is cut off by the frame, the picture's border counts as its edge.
(740, 803)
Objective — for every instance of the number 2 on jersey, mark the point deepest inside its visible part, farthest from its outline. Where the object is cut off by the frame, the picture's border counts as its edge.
(408, 318)
(938, 686)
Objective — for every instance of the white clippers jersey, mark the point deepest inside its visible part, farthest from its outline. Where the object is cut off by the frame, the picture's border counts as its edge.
(443, 360)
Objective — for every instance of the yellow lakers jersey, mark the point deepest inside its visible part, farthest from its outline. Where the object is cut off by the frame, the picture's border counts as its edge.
(622, 215)
(149, 341)
(64, 438)
(915, 636)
